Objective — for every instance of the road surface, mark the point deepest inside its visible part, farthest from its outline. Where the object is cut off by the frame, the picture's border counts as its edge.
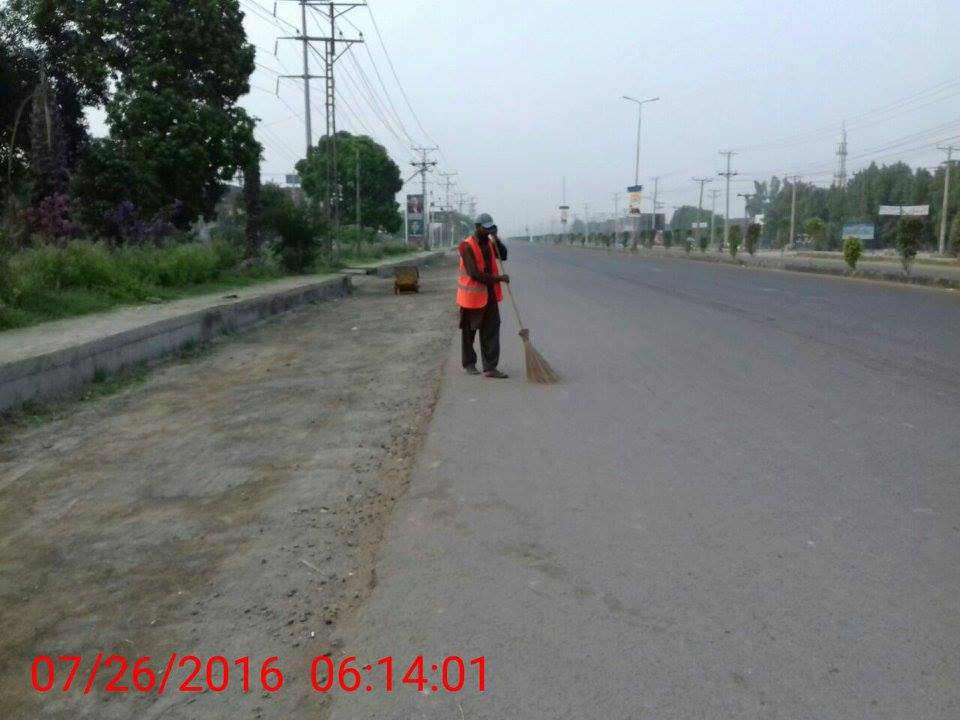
(744, 502)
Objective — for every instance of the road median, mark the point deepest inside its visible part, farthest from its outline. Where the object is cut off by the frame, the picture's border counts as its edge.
(930, 274)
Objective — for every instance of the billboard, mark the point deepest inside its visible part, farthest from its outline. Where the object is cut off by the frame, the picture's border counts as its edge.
(860, 232)
(415, 229)
(415, 205)
(636, 193)
(293, 180)
(907, 210)
(564, 213)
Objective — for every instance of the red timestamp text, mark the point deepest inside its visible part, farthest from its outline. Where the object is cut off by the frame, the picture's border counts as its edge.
(451, 674)
(219, 674)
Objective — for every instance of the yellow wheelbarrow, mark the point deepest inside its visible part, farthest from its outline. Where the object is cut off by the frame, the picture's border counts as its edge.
(406, 279)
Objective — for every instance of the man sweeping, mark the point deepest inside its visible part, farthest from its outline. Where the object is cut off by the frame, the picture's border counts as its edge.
(479, 294)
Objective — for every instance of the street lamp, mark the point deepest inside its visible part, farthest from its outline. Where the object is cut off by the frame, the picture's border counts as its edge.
(640, 104)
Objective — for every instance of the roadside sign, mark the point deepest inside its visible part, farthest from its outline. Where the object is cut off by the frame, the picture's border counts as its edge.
(906, 210)
(636, 194)
(293, 180)
(860, 231)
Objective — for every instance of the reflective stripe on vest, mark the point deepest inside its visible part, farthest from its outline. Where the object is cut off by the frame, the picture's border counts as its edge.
(472, 294)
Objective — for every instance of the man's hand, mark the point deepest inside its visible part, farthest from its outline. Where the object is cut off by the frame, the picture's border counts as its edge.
(504, 278)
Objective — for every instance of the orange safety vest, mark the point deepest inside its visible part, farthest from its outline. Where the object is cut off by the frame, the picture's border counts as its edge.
(472, 294)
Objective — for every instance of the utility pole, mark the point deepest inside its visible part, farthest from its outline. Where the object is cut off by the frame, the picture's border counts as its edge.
(946, 198)
(330, 56)
(616, 217)
(653, 220)
(423, 167)
(586, 221)
(713, 213)
(447, 183)
(793, 213)
(728, 174)
(358, 195)
(702, 181)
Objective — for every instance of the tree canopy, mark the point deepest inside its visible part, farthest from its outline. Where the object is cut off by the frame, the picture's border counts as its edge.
(380, 180)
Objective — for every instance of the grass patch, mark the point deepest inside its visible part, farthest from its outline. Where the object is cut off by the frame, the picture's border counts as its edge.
(47, 283)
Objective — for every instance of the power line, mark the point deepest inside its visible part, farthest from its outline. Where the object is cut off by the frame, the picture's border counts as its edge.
(396, 77)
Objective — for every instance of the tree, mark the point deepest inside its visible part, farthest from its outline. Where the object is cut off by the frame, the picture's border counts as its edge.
(955, 235)
(783, 234)
(48, 162)
(252, 208)
(667, 238)
(299, 228)
(753, 238)
(380, 180)
(814, 229)
(852, 250)
(704, 241)
(735, 234)
(18, 82)
(909, 233)
(79, 43)
(177, 134)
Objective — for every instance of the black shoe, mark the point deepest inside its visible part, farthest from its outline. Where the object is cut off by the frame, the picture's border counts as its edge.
(496, 374)
(472, 370)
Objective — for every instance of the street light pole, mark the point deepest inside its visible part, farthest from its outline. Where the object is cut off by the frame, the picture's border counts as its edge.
(640, 104)
(636, 172)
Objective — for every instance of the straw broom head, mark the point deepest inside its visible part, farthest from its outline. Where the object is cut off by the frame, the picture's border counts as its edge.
(538, 369)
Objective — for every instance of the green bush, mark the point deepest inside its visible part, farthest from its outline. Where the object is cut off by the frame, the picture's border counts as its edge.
(753, 238)
(815, 228)
(703, 242)
(852, 250)
(909, 232)
(299, 229)
(955, 235)
(735, 233)
(667, 239)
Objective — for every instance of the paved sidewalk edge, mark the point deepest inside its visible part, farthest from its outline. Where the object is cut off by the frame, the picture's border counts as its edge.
(54, 375)
(385, 269)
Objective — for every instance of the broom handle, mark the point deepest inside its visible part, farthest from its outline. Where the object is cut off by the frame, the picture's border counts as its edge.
(516, 310)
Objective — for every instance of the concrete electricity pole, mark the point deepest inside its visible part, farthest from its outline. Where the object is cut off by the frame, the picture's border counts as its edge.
(447, 184)
(728, 174)
(713, 213)
(702, 181)
(653, 220)
(423, 167)
(358, 194)
(616, 217)
(946, 198)
(586, 220)
(793, 212)
(330, 57)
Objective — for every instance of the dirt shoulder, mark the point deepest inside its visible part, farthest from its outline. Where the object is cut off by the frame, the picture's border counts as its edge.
(228, 506)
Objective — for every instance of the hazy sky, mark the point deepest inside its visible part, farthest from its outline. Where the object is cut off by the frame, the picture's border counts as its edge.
(520, 94)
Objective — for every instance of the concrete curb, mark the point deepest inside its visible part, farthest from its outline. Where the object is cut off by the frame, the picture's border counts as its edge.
(385, 269)
(57, 374)
(787, 265)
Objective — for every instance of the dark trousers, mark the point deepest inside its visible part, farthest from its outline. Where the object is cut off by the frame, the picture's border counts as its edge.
(487, 323)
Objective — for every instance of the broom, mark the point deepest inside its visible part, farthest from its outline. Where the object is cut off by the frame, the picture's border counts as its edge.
(538, 369)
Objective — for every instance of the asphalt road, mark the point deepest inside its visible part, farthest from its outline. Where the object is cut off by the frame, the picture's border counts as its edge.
(744, 502)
